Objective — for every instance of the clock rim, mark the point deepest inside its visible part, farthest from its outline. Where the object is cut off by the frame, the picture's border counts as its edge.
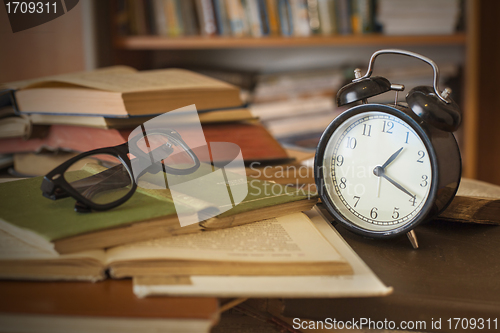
(319, 175)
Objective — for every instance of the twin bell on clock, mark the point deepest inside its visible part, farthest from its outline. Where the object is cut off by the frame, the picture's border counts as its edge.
(382, 169)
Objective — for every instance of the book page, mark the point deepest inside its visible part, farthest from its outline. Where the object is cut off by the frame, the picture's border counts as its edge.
(362, 283)
(291, 238)
(131, 81)
(12, 248)
(62, 77)
(477, 188)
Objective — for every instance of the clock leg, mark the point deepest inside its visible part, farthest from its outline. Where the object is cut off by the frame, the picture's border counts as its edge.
(413, 239)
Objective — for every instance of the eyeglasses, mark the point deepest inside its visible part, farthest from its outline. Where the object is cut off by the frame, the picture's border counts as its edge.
(111, 181)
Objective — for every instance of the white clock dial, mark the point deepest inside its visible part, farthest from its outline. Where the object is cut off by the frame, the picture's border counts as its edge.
(377, 171)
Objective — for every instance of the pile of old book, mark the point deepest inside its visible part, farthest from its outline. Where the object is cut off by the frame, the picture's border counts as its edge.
(264, 235)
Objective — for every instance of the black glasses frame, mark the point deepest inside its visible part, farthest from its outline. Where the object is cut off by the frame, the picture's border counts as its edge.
(54, 185)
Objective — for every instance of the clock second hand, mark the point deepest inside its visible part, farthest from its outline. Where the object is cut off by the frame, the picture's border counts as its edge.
(378, 187)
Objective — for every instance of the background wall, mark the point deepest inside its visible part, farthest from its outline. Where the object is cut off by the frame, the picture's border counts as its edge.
(52, 48)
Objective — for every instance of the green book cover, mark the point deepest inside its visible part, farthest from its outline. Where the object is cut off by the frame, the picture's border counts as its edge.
(22, 205)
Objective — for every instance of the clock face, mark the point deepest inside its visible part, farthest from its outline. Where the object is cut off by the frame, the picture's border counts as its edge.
(377, 171)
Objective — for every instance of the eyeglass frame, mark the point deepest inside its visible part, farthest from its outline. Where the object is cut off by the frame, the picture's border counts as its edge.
(55, 186)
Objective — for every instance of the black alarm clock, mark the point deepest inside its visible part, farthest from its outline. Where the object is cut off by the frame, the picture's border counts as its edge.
(382, 169)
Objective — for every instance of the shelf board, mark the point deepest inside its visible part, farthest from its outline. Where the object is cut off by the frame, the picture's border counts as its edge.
(198, 42)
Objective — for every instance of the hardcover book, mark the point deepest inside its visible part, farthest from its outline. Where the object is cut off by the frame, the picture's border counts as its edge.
(122, 91)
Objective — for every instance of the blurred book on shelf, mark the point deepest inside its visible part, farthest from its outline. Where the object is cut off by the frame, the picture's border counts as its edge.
(423, 17)
(299, 18)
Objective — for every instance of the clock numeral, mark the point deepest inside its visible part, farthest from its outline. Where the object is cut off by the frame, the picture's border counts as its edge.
(351, 142)
(365, 132)
(373, 213)
(421, 153)
(407, 135)
(343, 182)
(413, 200)
(340, 160)
(424, 182)
(357, 200)
(395, 213)
(388, 126)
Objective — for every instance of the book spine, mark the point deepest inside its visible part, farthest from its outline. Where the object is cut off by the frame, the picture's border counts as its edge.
(236, 18)
(264, 17)
(355, 17)
(174, 28)
(327, 17)
(188, 14)
(178, 14)
(135, 11)
(273, 16)
(252, 11)
(300, 20)
(365, 10)
(122, 18)
(343, 17)
(223, 25)
(206, 17)
(285, 17)
(160, 19)
(313, 12)
(150, 17)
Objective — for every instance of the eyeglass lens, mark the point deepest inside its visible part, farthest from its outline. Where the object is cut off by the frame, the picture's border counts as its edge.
(102, 178)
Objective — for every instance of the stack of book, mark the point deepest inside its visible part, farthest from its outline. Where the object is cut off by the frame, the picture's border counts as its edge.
(67, 114)
(297, 104)
(239, 18)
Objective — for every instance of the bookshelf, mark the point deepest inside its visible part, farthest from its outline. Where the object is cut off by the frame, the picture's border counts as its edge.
(199, 42)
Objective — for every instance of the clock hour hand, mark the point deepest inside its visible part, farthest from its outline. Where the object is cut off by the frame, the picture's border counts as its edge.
(380, 172)
(392, 158)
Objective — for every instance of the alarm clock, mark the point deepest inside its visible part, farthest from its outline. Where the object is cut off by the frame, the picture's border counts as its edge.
(382, 169)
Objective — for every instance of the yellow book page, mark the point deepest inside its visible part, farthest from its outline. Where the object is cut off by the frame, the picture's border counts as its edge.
(128, 82)
(288, 239)
(42, 81)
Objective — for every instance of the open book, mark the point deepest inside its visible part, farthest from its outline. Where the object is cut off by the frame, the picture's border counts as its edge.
(288, 245)
(122, 91)
(362, 282)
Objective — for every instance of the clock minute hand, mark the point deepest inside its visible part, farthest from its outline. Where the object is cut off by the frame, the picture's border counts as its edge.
(393, 182)
(392, 158)
(380, 172)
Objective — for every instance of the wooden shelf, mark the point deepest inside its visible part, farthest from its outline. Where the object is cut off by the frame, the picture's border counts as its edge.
(197, 42)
